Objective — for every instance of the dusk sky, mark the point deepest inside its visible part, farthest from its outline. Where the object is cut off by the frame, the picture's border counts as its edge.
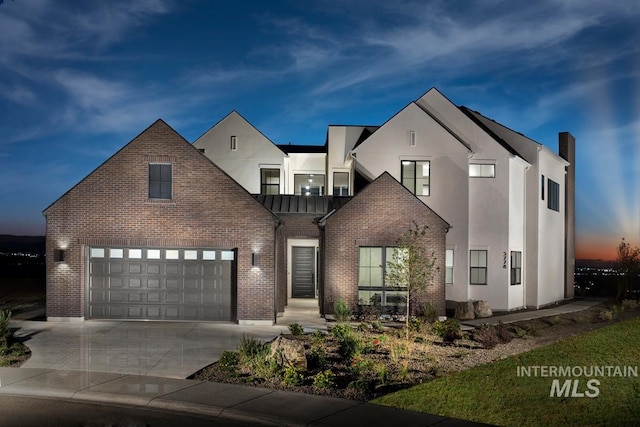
(80, 79)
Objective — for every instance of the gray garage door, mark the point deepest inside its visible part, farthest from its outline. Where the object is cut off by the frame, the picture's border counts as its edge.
(161, 284)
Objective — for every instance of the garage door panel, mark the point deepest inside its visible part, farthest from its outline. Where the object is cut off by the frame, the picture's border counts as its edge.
(172, 284)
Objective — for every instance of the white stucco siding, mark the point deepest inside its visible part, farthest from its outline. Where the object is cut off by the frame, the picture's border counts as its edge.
(305, 163)
(253, 151)
(448, 181)
(551, 234)
(517, 171)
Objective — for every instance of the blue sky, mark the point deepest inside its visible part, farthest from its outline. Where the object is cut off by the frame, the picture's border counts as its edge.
(79, 79)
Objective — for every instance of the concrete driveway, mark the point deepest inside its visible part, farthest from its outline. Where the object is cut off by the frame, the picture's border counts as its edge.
(162, 349)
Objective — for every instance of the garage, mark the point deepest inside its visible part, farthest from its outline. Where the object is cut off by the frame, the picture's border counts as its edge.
(161, 284)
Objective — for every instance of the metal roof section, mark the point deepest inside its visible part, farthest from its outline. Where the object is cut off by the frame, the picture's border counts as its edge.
(286, 203)
(478, 119)
(296, 148)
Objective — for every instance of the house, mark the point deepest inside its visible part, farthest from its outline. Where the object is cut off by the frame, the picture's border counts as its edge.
(233, 226)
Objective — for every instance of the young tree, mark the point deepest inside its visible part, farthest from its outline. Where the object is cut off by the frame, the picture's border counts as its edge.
(411, 267)
(627, 266)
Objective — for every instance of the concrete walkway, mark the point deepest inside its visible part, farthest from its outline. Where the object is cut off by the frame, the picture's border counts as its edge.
(143, 364)
(571, 307)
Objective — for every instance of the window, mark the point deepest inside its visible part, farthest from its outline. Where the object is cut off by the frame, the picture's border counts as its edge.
(516, 268)
(477, 170)
(269, 181)
(448, 266)
(415, 176)
(234, 142)
(553, 200)
(412, 138)
(478, 267)
(308, 184)
(341, 183)
(372, 286)
(160, 179)
(542, 187)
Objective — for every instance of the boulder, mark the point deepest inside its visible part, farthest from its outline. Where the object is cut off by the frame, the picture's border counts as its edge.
(482, 309)
(464, 311)
(288, 352)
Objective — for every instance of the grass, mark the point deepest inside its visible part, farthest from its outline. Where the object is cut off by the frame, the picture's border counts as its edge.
(494, 394)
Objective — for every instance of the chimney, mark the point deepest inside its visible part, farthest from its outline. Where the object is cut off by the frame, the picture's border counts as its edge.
(567, 150)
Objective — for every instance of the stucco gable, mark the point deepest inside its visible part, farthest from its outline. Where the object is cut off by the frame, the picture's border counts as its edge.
(386, 190)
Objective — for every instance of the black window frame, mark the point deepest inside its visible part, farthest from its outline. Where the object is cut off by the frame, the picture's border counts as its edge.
(160, 183)
(516, 268)
(553, 196)
(341, 191)
(385, 286)
(264, 185)
(415, 164)
(478, 268)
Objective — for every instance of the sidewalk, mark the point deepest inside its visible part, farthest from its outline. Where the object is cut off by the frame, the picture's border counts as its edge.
(571, 307)
(252, 405)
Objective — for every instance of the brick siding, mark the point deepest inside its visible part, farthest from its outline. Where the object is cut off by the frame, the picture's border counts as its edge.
(377, 216)
(208, 209)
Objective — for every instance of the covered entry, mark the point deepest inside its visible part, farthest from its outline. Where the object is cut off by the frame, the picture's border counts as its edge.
(161, 284)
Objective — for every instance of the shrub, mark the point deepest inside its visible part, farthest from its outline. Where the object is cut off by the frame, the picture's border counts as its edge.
(250, 347)
(296, 329)
(415, 324)
(293, 376)
(349, 347)
(503, 333)
(317, 358)
(617, 310)
(376, 325)
(429, 312)
(228, 360)
(486, 336)
(520, 332)
(449, 330)
(341, 312)
(341, 331)
(605, 315)
(324, 379)
(629, 304)
(5, 332)
(319, 338)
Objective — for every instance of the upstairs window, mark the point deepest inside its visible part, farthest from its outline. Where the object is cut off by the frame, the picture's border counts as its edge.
(542, 187)
(477, 170)
(415, 176)
(269, 181)
(553, 199)
(308, 184)
(160, 181)
(234, 143)
(341, 183)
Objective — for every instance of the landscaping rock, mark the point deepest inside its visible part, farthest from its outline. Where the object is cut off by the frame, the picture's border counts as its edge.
(464, 311)
(287, 352)
(482, 309)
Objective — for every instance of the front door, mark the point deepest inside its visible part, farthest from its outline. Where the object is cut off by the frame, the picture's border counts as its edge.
(303, 272)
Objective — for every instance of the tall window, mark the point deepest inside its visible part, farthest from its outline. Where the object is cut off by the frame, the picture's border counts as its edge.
(477, 170)
(269, 181)
(341, 183)
(308, 184)
(233, 141)
(372, 286)
(553, 200)
(448, 266)
(478, 267)
(542, 186)
(160, 179)
(516, 268)
(415, 176)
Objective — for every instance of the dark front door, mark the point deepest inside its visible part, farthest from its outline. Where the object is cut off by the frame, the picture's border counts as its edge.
(303, 274)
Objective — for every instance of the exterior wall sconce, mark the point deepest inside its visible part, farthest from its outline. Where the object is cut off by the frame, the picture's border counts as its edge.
(254, 259)
(58, 255)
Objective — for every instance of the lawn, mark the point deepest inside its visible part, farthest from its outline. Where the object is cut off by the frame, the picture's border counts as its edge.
(495, 394)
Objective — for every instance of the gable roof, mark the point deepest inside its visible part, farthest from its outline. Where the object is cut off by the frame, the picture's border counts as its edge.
(477, 118)
(167, 133)
(385, 176)
(236, 113)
